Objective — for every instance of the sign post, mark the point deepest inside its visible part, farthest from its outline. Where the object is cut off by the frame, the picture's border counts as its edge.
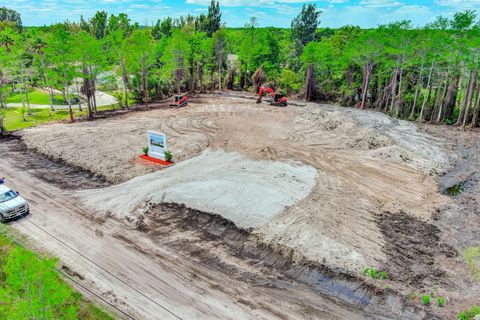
(157, 145)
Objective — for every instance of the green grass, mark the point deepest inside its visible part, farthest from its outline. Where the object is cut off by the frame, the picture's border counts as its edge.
(375, 274)
(39, 275)
(472, 256)
(441, 302)
(14, 120)
(35, 96)
(470, 313)
(426, 300)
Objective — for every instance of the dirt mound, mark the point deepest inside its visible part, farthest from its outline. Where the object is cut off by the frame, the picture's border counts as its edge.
(248, 192)
(365, 164)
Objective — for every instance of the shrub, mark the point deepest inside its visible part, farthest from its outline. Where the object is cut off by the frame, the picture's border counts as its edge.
(426, 299)
(375, 274)
(440, 301)
(120, 98)
(145, 151)
(472, 256)
(23, 111)
(470, 313)
(168, 156)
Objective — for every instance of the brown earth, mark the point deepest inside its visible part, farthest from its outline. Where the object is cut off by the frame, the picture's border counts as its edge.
(376, 202)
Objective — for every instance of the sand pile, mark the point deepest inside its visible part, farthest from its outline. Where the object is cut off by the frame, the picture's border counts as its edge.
(248, 192)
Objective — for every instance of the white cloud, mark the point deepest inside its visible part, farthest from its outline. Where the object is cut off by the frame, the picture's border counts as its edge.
(369, 16)
(380, 3)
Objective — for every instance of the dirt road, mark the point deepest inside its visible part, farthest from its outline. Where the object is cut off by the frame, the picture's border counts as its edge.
(141, 278)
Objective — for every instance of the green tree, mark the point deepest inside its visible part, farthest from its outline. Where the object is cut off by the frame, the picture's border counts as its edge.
(305, 25)
(11, 15)
(463, 20)
(140, 45)
(213, 19)
(60, 50)
(163, 28)
(98, 24)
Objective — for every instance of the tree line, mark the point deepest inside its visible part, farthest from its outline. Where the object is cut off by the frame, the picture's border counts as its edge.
(427, 73)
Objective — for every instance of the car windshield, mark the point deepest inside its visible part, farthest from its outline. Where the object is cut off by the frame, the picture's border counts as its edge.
(9, 195)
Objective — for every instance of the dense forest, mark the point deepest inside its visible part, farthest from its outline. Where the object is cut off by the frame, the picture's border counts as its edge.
(427, 73)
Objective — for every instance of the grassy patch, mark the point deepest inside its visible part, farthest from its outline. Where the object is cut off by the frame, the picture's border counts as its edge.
(14, 120)
(426, 300)
(375, 274)
(35, 96)
(472, 256)
(48, 295)
(441, 302)
(470, 313)
(455, 190)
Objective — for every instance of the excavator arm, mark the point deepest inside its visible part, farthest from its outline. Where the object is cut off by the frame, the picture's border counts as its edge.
(262, 90)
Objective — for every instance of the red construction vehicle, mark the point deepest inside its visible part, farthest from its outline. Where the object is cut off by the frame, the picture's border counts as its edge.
(278, 99)
(179, 101)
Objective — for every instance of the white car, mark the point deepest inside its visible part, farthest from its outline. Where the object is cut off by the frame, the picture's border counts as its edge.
(11, 204)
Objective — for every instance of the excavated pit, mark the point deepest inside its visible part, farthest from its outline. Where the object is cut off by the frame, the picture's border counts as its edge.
(54, 171)
(411, 247)
(243, 255)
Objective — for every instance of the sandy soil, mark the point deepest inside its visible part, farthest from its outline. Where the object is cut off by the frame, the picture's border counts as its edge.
(336, 222)
(249, 193)
(142, 279)
(375, 198)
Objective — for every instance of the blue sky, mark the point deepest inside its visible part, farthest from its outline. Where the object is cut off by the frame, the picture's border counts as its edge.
(366, 13)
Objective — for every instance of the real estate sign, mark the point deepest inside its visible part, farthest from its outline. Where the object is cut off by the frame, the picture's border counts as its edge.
(157, 144)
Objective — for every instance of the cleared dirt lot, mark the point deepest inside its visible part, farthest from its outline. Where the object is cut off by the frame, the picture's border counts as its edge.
(373, 201)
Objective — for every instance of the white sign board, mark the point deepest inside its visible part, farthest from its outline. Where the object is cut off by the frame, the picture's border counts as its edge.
(157, 144)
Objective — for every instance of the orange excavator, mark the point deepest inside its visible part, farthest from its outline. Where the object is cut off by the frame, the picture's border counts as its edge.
(278, 99)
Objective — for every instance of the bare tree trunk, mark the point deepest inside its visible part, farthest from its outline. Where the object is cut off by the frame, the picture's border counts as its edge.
(144, 84)
(125, 81)
(427, 96)
(200, 76)
(464, 101)
(417, 91)
(471, 90)
(21, 95)
(451, 98)
(310, 88)
(399, 101)
(78, 94)
(50, 94)
(70, 110)
(437, 99)
(27, 98)
(220, 57)
(394, 89)
(475, 119)
(441, 112)
(367, 72)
